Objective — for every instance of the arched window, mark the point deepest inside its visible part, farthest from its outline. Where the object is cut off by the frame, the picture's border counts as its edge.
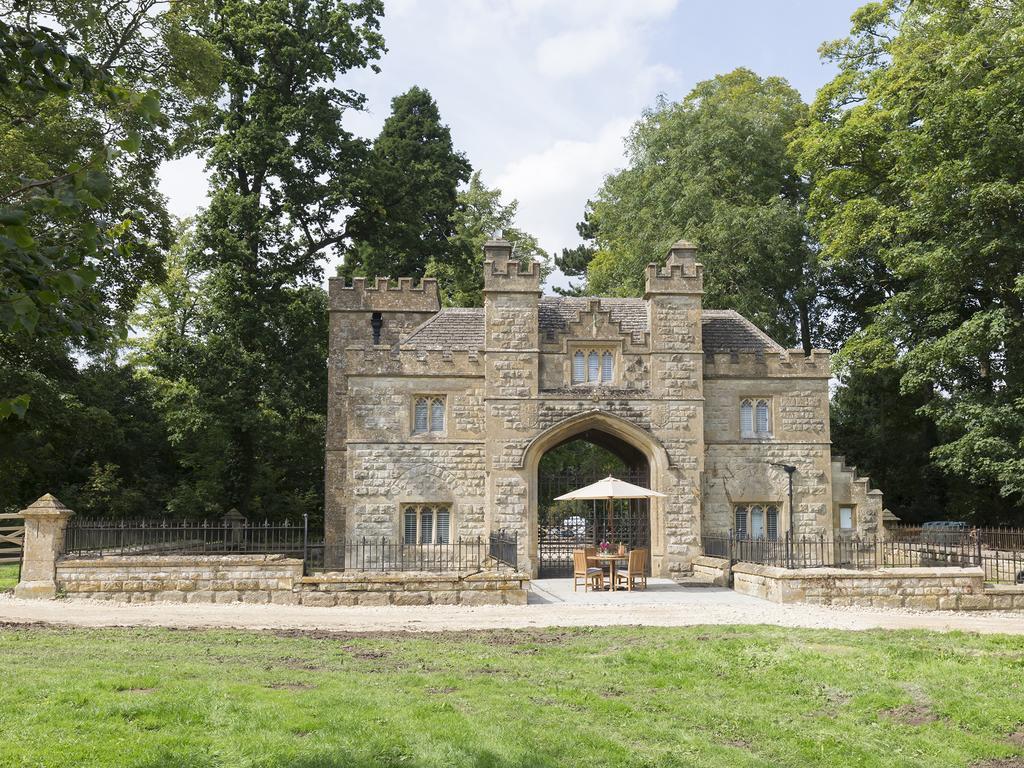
(746, 419)
(428, 414)
(593, 366)
(757, 522)
(437, 414)
(755, 417)
(409, 526)
(579, 371)
(761, 422)
(420, 415)
(427, 524)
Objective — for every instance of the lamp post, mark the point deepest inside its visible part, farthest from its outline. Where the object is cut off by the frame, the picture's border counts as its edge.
(789, 469)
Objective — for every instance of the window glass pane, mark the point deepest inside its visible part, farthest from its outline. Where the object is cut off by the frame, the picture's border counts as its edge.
(592, 364)
(757, 522)
(772, 522)
(426, 525)
(437, 414)
(741, 521)
(606, 367)
(578, 370)
(420, 420)
(443, 525)
(846, 517)
(746, 418)
(762, 417)
(409, 530)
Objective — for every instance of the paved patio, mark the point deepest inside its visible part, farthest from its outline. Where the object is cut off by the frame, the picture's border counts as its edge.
(692, 592)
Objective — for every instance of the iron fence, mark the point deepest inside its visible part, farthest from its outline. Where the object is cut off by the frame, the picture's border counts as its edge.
(851, 552)
(503, 547)
(466, 554)
(96, 537)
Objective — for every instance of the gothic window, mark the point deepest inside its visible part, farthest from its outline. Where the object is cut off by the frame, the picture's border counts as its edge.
(755, 417)
(428, 414)
(426, 524)
(756, 521)
(593, 366)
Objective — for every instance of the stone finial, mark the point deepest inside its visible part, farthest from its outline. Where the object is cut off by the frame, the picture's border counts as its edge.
(47, 504)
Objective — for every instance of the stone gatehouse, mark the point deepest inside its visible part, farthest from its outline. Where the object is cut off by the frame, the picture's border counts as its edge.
(438, 418)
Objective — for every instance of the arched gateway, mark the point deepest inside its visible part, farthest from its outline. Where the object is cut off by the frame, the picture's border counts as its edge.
(457, 422)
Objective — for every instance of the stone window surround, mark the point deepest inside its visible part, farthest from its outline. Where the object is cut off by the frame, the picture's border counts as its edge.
(755, 436)
(599, 346)
(419, 505)
(837, 517)
(765, 505)
(430, 398)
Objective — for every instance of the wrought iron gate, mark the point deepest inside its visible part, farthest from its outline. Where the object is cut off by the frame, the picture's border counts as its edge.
(568, 525)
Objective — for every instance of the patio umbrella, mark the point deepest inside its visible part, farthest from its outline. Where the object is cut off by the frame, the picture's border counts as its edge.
(610, 488)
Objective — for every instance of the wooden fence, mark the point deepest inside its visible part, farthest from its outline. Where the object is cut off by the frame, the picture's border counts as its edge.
(12, 537)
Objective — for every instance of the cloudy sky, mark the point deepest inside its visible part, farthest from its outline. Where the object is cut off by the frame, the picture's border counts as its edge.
(540, 93)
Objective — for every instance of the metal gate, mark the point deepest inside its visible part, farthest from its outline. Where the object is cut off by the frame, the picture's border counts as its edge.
(568, 525)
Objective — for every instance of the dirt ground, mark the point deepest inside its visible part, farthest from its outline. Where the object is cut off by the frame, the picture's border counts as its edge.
(711, 607)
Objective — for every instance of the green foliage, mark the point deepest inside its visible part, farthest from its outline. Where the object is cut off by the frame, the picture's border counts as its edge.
(404, 218)
(574, 262)
(715, 169)
(234, 342)
(479, 216)
(716, 697)
(917, 164)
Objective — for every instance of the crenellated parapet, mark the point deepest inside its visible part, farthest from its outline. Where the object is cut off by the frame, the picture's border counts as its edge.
(504, 274)
(682, 274)
(384, 295)
(787, 364)
(378, 361)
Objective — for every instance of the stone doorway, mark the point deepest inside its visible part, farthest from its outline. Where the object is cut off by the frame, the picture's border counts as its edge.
(564, 526)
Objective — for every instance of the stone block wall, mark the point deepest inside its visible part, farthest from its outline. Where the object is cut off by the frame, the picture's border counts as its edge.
(274, 579)
(181, 578)
(714, 569)
(917, 588)
(369, 589)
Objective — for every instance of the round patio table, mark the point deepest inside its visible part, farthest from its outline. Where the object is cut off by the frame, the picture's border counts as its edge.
(612, 559)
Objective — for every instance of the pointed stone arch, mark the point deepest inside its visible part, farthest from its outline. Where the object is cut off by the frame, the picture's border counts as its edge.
(658, 461)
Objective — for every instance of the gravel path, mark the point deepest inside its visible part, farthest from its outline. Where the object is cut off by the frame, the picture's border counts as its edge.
(706, 607)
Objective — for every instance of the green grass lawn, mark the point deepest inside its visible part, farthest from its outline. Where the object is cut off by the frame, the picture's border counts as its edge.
(703, 696)
(8, 577)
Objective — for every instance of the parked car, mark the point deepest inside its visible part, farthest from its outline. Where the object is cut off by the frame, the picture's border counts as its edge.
(944, 532)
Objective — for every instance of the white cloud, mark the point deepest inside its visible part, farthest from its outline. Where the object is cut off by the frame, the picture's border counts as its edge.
(553, 185)
(580, 51)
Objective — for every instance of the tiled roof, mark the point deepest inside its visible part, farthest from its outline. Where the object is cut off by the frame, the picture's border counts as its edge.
(450, 329)
(724, 330)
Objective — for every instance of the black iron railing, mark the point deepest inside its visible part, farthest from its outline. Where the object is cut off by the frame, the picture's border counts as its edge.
(466, 554)
(93, 537)
(503, 547)
(852, 552)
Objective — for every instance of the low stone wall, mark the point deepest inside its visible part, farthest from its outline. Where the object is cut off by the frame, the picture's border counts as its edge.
(181, 578)
(918, 588)
(716, 569)
(273, 579)
(485, 588)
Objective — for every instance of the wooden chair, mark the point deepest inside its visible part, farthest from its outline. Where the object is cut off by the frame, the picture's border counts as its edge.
(636, 570)
(582, 571)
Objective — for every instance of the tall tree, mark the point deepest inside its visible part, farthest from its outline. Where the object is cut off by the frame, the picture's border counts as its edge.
(574, 262)
(282, 165)
(714, 168)
(918, 169)
(410, 193)
(479, 216)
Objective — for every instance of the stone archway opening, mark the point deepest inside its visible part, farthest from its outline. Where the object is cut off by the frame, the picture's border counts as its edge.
(563, 526)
